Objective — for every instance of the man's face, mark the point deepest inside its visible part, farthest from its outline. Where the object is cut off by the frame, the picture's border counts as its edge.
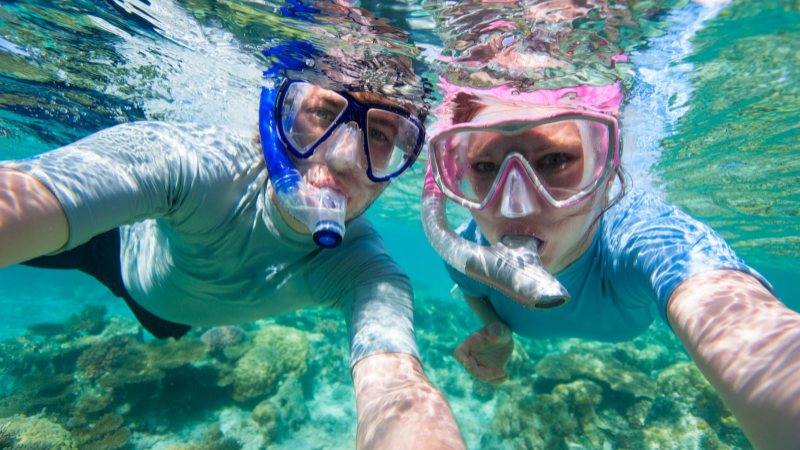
(340, 162)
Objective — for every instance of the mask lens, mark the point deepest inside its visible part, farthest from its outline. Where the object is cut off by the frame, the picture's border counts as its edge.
(307, 113)
(392, 141)
(566, 156)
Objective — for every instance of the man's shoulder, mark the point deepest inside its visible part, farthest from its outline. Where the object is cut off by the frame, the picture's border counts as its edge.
(360, 229)
(208, 142)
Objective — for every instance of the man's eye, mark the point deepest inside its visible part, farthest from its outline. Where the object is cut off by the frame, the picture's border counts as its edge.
(324, 114)
(376, 136)
(553, 162)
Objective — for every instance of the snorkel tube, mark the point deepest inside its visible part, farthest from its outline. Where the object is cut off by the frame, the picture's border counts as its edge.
(512, 266)
(321, 210)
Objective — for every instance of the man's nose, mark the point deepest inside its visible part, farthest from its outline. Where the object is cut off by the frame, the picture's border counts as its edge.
(519, 197)
(344, 149)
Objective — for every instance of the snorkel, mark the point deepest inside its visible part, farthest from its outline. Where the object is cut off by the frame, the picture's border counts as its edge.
(512, 266)
(321, 210)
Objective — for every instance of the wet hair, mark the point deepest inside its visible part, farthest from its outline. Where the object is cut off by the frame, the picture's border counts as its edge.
(621, 174)
(465, 107)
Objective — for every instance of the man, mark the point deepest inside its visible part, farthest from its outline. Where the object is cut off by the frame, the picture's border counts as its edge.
(196, 225)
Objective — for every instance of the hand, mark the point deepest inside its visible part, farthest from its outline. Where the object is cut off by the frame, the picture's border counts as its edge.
(486, 352)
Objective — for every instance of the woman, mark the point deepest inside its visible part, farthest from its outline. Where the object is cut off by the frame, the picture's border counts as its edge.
(536, 172)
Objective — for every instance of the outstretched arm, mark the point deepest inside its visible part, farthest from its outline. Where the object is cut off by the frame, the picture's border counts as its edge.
(398, 408)
(747, 344)
(32, 222)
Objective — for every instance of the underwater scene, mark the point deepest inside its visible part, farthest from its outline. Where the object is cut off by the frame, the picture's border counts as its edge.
(711, 122)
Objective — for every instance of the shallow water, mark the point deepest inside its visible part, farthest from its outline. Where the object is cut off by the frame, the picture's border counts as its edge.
(714, 109)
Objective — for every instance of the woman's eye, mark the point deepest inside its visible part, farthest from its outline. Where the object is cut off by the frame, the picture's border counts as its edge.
(484, 168)
(553, 162)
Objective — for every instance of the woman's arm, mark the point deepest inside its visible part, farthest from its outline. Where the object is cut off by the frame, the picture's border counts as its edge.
(482, 308)
(747, 344)
(398, 408)
(32, 222)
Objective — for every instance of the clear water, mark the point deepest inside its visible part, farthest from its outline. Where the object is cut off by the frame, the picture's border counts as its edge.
(713, 107)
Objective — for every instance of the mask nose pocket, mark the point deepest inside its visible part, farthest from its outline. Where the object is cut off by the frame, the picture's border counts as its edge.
(517, 201)
(343, 149)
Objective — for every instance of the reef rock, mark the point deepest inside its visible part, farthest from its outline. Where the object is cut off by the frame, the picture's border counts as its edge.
(290, 403)
(600, 367)
(266, 415)
(35, 432)
(220, 338)
(558, 420)
(277, 351)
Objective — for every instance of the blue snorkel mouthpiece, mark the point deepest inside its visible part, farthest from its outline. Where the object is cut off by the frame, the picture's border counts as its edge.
(328, 234)
(321, 210)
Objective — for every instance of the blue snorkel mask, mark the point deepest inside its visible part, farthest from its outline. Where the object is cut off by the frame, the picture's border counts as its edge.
(300, 118)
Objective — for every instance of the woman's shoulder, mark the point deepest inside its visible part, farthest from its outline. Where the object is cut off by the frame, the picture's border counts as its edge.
(643, 218)
(470, 231)
(640, 205)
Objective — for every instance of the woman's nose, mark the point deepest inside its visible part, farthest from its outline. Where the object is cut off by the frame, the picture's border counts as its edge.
(519, 198)
(343, 150)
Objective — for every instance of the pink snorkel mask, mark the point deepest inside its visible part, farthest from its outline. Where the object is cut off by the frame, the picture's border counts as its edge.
(516, 147)
(563, 155)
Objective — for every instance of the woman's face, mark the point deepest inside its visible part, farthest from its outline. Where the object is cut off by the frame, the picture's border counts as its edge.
(556, 154)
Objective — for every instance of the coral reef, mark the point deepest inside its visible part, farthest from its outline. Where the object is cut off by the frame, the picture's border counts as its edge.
(214, 440)
(36, 390)
(482, 391)
(102, 356)
(263, 391)
(30, 432)
(106, 432)
(18, 355)
(87, 321)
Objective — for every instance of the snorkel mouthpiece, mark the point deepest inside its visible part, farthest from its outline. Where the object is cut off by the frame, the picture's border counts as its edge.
(321, 210)
(512, 266)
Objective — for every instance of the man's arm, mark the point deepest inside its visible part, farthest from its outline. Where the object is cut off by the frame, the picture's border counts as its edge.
(32, 222)
(747, 344)
(398, 408)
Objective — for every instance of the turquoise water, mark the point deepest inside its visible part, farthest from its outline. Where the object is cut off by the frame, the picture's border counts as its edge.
(713, 107)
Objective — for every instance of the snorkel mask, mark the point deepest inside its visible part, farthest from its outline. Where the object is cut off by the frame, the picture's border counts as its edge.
(301, 118)
(515, 152)
(321, 210)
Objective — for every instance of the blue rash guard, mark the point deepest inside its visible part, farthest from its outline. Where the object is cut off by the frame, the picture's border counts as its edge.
(643, 250)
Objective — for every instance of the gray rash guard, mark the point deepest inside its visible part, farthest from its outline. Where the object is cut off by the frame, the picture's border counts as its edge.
(201, 242)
